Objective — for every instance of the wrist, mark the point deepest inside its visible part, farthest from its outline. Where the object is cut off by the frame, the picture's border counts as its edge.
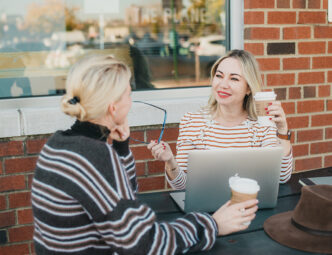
(284, 135)
(171, 170)
(282, 131)
(171, 166)
(171, 163)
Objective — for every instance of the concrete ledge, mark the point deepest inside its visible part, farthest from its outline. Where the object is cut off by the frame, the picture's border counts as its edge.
(10, 123)
(45, 120)
(37, 121)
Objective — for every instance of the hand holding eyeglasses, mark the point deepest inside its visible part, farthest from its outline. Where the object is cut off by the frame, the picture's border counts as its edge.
(161, 151)
(163, 125)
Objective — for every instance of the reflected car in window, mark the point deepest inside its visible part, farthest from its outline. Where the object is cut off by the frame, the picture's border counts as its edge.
(211, 45)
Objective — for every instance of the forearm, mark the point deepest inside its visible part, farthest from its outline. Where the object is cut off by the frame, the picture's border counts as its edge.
(179, 177)
(286, 145)
(172, 169)
(127, 159)
(287, 162)
(145, 235)
(121, 147)
(271, 139)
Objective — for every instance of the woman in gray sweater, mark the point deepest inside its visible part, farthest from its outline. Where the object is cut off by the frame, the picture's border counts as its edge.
(84, 189)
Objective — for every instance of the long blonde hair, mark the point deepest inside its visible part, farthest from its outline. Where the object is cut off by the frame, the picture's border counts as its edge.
(251, 74)
(92, 84)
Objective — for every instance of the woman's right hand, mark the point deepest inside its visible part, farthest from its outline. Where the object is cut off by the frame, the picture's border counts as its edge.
(161, 151)
(232, 218)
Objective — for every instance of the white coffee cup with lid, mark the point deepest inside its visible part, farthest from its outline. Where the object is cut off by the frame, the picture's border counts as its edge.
(243, 189)
(262, 100)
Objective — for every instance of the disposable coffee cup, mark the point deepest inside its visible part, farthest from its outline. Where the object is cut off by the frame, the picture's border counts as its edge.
(262, 100)
(243, 189)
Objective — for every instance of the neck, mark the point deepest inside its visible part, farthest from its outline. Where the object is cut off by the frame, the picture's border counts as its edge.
(103, 122)
(230, 117)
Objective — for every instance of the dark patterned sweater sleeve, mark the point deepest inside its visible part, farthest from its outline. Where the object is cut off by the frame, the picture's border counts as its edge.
(127, 160)
(122, 148)
(84, 206)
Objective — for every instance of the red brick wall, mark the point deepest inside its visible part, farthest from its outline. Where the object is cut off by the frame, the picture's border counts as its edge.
(292, 41)
(17, 162)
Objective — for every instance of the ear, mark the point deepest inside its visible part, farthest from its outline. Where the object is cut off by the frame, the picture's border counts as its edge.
(112, 109)
(248, 90)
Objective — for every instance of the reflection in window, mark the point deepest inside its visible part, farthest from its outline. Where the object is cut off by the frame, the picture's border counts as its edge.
(167, 43)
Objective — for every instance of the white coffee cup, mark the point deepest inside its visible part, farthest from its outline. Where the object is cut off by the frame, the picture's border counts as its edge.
(243, 189)
(262, 100)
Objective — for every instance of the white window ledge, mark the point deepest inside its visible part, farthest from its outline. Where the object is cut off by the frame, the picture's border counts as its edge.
(10, 123)
(35, 116)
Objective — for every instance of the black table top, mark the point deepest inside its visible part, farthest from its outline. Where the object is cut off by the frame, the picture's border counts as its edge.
(253, 240)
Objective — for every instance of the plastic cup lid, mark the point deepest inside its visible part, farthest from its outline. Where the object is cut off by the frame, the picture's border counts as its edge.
(243, 185)
(265, 95)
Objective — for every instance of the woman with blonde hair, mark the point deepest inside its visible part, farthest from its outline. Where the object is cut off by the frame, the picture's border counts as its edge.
(84, 189)
(228, 121)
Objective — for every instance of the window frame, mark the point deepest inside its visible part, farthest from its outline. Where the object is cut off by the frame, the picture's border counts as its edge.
(42, 115)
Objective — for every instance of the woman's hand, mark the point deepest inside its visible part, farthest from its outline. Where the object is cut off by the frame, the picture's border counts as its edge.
(278, 115)
(233, 218)
(121, 132)
(161, 151)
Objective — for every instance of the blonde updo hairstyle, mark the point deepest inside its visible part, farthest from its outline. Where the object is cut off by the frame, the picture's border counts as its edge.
(251, 74)
(92, 84)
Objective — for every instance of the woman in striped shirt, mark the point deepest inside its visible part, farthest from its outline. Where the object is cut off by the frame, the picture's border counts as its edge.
(228, 121)
(84, 189)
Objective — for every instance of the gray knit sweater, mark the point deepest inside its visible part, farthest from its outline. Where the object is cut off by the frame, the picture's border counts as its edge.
(84, 202)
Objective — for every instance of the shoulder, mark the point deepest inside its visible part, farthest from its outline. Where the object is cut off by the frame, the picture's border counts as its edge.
(193, 121)
(73, 159)
(201, 115)
(81, 146)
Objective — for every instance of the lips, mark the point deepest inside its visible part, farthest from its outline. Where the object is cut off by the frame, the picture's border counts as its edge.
(223, 94)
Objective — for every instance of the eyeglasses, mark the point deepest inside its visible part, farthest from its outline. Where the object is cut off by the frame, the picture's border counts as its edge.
(163, 125)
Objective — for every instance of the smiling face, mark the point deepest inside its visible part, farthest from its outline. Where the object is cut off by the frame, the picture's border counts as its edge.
(229, 85)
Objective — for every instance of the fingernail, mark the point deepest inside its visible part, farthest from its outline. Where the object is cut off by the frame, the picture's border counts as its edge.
(270, 118)
(265, 108)
(267, 112)
(270, 103)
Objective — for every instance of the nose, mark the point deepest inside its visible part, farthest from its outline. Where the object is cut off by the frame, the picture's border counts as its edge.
(223, 83)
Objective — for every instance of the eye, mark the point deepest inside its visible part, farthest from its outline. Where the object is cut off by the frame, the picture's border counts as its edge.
(218, 75)
(234, 79)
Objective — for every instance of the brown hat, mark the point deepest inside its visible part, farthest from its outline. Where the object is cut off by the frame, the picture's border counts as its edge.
(309, 226)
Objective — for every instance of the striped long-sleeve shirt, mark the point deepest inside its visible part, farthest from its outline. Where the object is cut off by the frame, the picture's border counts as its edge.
(84, 202)
(198, 131)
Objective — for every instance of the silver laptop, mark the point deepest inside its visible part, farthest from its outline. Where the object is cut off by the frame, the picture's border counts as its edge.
(207, 186)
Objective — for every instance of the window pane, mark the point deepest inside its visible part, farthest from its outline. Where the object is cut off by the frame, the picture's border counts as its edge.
(167, 43)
